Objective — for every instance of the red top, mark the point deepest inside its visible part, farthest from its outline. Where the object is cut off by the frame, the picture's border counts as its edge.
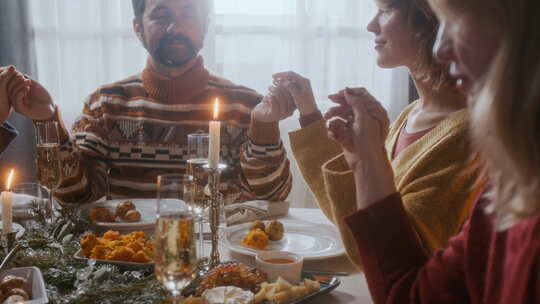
(405, 139)
(479, 266)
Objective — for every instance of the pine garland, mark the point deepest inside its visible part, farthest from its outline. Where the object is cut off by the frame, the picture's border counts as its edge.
(69, 280)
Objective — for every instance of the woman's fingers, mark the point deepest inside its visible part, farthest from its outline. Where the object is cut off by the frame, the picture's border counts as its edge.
(344, 112)
(340, 131)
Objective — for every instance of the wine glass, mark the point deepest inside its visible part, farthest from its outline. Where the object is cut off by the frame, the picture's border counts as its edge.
(48, 160)
(176, 254)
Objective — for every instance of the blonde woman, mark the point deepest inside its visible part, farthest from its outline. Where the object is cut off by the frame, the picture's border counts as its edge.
(492, 47)
(428, 144)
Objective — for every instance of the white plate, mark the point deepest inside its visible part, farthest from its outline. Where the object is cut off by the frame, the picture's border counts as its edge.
(310, 240)
(123, 265)
(147, 208)
(35, 283)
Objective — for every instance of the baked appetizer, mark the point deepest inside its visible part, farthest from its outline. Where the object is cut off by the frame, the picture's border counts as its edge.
(274, 230)
(101, 214)
(123, 208)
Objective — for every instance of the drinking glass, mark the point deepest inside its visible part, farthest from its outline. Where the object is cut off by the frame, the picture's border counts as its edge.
(197, 159)
(176, 254)
(32, 198)
(48, 159)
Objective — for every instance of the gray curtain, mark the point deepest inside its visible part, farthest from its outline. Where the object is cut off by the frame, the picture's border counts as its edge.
(17, 48)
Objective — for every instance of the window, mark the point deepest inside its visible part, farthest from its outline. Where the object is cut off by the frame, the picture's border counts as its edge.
(83, 44)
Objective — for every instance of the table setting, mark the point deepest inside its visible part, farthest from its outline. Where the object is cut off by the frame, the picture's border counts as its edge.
(189, 244)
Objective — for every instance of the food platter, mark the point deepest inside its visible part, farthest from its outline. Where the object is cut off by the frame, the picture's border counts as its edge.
(327, 285)
(122, 265)
(310, 240)
(146, 207)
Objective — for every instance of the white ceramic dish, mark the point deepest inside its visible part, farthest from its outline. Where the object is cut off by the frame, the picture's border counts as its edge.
(312, 241)
(147, 208)
(35, 283)
(123, 265)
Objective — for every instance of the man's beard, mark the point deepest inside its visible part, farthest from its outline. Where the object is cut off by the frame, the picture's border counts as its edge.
(161, 55)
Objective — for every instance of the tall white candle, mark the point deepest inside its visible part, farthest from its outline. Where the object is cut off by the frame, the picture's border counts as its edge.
(214, 145)
(7, 213)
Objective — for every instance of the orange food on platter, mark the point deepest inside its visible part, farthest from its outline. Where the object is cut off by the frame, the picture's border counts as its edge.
(101, 214)
(132, 247)
(256, 239)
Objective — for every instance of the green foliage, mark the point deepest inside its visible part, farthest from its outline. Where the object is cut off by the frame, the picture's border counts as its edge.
(69, 280)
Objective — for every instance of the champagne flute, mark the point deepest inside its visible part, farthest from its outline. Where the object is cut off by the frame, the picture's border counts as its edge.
(197, 159)
(48, 160)
(176, 253)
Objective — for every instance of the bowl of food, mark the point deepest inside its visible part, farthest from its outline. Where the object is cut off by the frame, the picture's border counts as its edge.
(286, 265)
(22, 285)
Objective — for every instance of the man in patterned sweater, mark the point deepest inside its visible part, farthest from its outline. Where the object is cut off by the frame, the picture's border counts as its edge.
(136, 129)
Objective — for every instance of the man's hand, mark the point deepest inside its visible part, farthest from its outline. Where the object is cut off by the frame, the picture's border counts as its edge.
(275, 106)
(6, 75)
(300, 89)
(37, 104)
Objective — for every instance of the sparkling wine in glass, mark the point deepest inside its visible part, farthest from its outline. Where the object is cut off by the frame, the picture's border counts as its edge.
(197, 158)
(48, 160)
(195, 168)
(176, 260)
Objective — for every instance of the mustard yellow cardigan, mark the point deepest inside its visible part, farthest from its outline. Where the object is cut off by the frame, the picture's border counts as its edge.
(432, 175)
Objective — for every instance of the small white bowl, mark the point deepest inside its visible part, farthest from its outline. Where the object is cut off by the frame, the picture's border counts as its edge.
(290, 270)
(35, 283)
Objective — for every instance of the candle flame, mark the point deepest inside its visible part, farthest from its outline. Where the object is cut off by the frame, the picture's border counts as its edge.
(216, 109)
(10, 179)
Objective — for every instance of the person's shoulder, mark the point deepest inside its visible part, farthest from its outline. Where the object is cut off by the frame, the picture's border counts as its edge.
(233, 91)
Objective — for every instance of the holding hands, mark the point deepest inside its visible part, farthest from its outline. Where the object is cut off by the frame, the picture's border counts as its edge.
(288, 92)
(25, 95)
(360, 124)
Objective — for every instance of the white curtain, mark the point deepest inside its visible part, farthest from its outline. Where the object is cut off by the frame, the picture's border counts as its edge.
(83, 44)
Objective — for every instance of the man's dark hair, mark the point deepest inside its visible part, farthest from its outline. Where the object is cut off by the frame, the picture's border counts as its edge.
(138, 8)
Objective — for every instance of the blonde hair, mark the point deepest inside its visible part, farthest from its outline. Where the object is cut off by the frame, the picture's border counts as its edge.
(506, 110)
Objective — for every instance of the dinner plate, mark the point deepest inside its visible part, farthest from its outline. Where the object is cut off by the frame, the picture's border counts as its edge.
(146, 207)
(310, 240)
(123, 265)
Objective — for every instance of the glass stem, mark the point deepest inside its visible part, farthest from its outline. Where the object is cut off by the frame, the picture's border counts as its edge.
(50, 209)
(177, 298)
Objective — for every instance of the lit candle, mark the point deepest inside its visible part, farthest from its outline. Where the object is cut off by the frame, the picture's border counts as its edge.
(214, 145)
(7, 215)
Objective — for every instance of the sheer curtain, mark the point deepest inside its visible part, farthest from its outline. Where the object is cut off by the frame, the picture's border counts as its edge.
(83, 44)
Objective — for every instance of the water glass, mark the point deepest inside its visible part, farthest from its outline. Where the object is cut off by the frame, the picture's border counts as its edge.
(30, 203)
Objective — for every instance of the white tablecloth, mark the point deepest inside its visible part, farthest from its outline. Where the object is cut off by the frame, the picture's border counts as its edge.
(353, 288)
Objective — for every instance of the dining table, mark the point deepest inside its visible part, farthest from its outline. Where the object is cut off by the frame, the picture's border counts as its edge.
(353, 287)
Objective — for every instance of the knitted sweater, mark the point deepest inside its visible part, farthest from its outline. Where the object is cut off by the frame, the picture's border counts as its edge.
(136, 129)
(431, 174)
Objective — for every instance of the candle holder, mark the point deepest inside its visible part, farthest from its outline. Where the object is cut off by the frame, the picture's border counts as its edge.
(8, 241)
(215, 211)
